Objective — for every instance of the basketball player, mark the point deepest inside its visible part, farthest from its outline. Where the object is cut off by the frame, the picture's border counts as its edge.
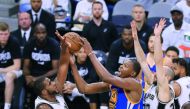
(126, 90)
(160, 94)
(49, 92)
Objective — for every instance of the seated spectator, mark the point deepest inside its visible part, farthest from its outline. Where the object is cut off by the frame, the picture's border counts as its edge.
(99, 32)
(83, 12)
(122, 49)
(170, 53)
(185, 7)
(139, 16)
(24, 32)
(39, 15)
(176, 34)
(186, 105)
(10, 62)
(41, 56)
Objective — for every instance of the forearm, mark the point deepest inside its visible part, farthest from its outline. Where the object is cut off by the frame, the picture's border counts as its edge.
(142, 60)
(49, 73)
(10, 68)
(158, 54)
(100, 69)
(81, 84)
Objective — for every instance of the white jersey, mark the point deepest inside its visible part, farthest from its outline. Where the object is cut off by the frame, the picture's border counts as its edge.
(184, 96)
(151, 100)
(60, 104)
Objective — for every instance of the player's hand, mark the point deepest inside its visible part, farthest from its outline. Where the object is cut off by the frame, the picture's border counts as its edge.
(68, 87)
(159, 27)
(64, 44)
(134, 30)
(87, 47)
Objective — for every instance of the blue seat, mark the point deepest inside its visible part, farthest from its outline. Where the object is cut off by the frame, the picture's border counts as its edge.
(153, 20)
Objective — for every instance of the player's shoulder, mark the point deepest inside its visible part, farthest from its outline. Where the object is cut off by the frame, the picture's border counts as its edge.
(44, 106)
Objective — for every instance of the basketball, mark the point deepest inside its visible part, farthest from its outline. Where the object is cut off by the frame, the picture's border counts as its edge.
(75, 41)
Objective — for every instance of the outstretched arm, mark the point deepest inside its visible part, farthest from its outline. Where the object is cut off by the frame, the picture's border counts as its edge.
(141, 55)
(84, 87)
(63, 63)
(126, 83)
(163, 85)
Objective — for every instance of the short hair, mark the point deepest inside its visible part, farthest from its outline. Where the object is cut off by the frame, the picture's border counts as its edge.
(172, 48)
(169, 72)
(186, 105)
(4, 26)
(97, 2)
(39, 85)
(39, 25)
(136, 66)
(181, 62)
(127, 27)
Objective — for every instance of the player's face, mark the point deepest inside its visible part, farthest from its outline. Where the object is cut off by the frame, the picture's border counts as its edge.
(4, 36)
(138, 14)
(81, 55)
(151, 44)
(97, 11)
(171, 54)
(126, 69)
(24, 20)
(41, 34)
(127, 36)
(176, 68)
(36, 5)
(50, 86)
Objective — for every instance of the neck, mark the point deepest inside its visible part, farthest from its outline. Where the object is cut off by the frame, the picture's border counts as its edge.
(178, 27)
(49, 97)
(80, 62)
(128, 46)
(150, 59)
(140, 24)
(97, 21)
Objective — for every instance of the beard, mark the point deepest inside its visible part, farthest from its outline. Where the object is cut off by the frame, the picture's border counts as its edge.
(97, 16)
(177, 23)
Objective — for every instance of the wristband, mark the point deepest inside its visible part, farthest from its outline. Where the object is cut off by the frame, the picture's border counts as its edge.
(90, 53)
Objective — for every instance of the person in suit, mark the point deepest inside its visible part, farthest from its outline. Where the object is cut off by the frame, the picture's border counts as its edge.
(39, 15)
(24, 32)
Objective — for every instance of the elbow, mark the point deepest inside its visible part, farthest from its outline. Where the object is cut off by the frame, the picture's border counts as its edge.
(107, 79)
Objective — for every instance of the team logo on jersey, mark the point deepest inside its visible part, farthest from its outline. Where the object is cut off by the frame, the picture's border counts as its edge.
(113, 99)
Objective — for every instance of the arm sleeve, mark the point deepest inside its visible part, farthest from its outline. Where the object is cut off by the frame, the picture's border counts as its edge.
(16, 52)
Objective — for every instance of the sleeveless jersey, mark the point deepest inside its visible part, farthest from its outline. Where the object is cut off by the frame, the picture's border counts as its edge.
(60, 104)
(151, 100)
(119, 100)
(184, 96)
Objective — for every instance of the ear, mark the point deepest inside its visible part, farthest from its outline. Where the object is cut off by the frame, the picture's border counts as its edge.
(44, 92)
(133, 74)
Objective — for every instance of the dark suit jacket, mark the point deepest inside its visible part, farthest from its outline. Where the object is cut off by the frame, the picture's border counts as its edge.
(17, 34)
(48, 20)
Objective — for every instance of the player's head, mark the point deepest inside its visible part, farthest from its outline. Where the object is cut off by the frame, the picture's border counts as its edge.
(36, 5)
(81, 56)
(169, 73)
(151, 40)
(138, 13)
(44, 86)
(4, 33)
(40, 32)
(126, 35)
(97, 9)
(24, 20)
(179, 67)
(130, 68)
(186, 105)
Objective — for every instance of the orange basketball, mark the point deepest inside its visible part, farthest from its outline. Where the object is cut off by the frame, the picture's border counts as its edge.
(75, 41)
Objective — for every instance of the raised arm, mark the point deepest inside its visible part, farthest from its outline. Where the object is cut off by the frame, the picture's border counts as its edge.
(63, 63)
(163, 85)
(84, 87)
(141, 55)
(126, 83)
